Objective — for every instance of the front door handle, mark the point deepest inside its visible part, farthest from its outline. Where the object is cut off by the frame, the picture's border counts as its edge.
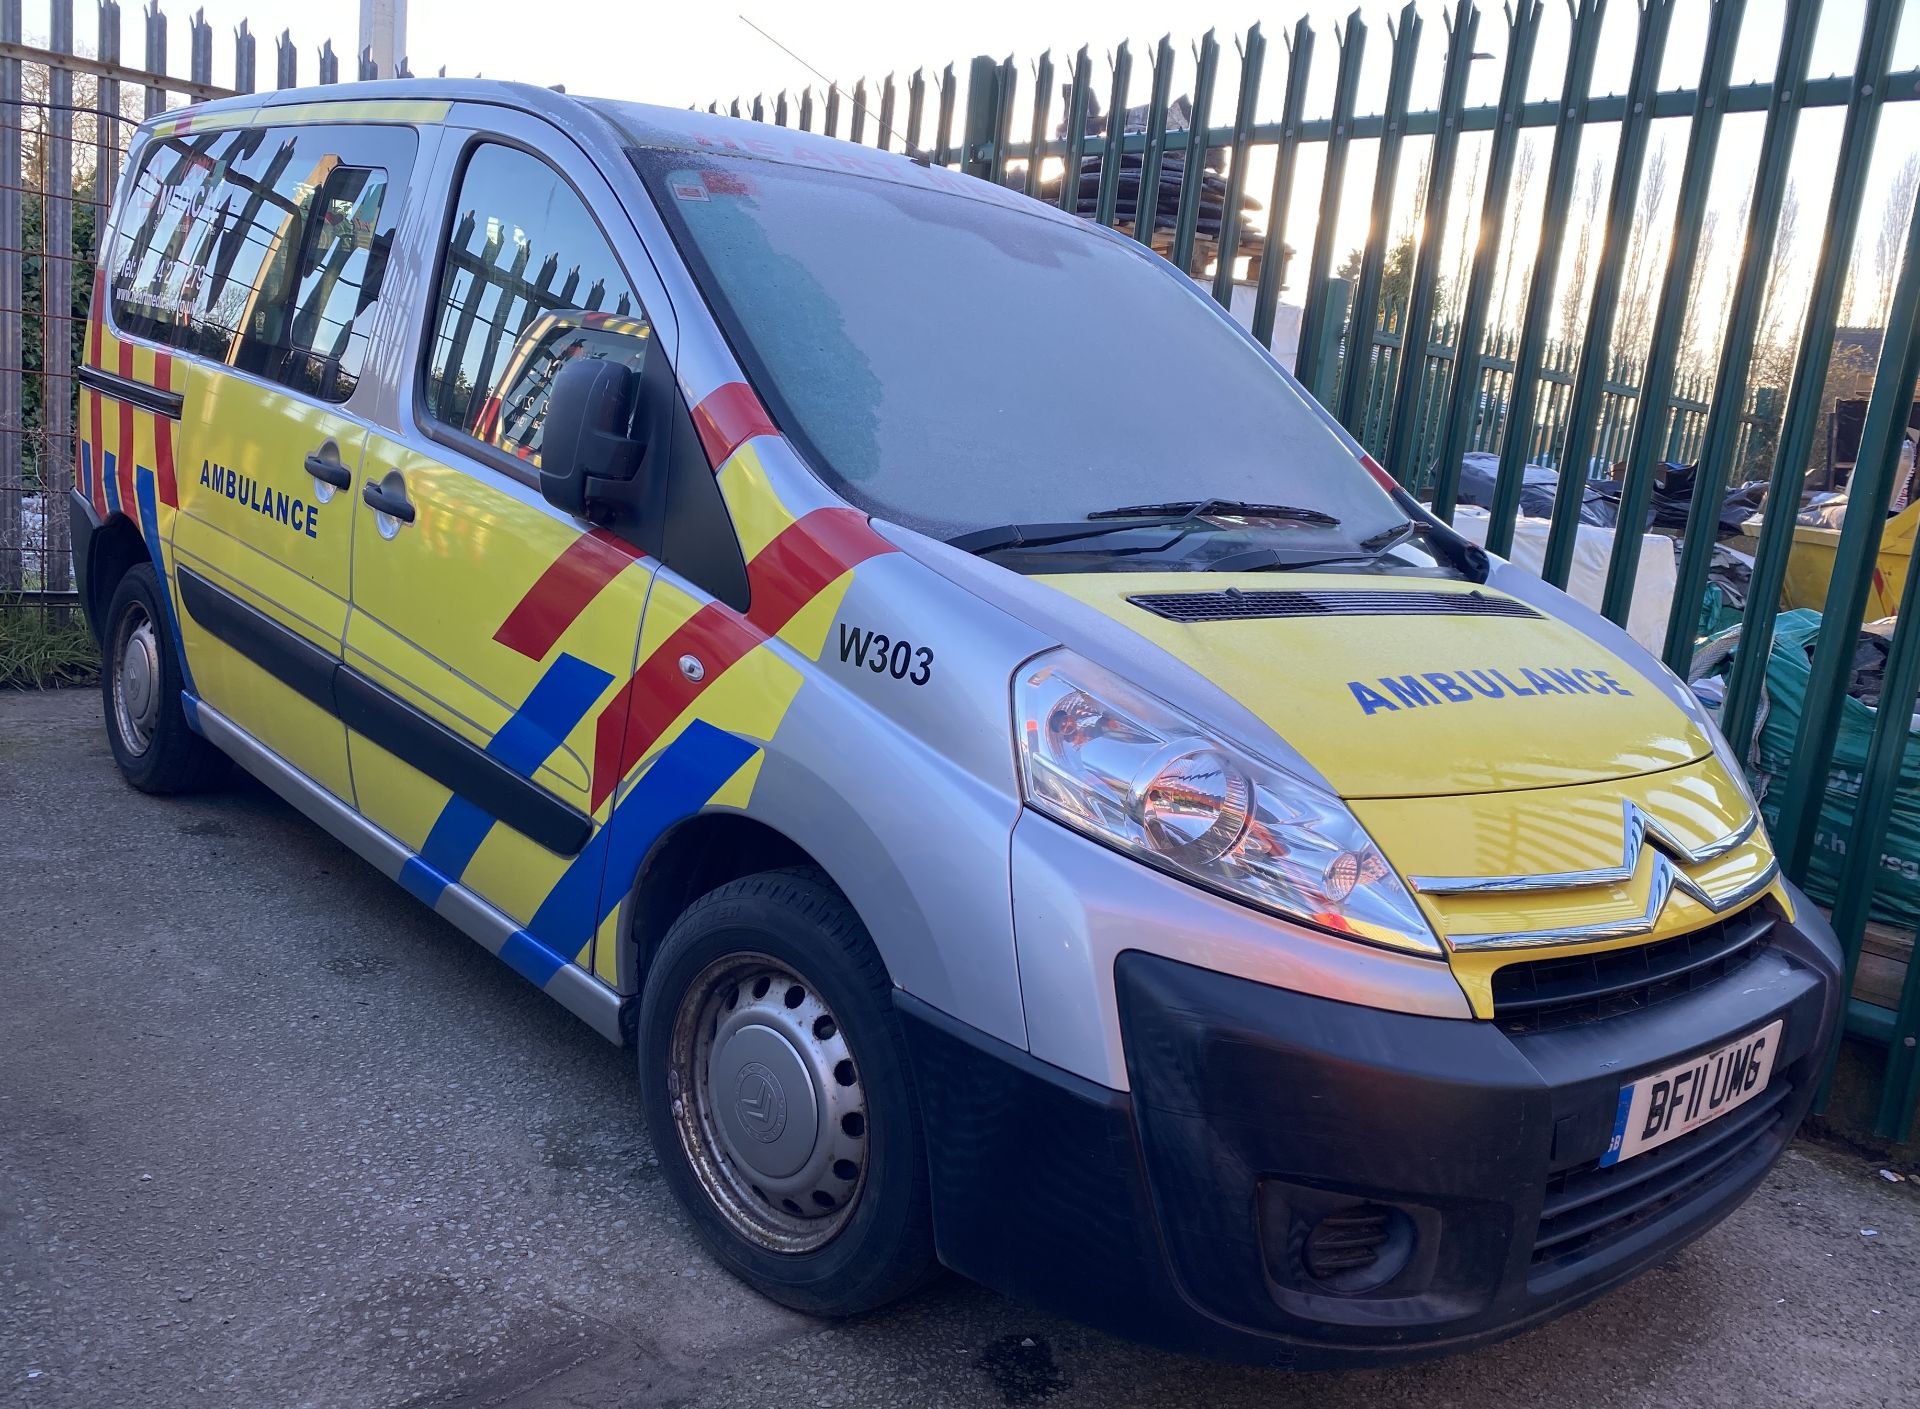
(328, 471)
(391, 501)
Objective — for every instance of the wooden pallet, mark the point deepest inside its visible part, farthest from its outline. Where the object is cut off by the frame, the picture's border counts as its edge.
(1885, 954)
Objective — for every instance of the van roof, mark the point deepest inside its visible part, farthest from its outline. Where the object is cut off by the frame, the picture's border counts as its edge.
(639, 124)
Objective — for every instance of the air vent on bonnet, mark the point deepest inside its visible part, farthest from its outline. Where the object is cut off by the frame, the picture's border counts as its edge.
(1235, 605)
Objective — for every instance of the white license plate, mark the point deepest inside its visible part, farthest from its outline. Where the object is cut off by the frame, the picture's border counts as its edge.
(1664, 1105)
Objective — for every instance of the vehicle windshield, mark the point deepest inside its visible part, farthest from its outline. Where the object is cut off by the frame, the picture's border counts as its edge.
(953, 362)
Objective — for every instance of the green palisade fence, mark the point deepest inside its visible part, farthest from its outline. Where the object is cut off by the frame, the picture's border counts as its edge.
(1421, 377)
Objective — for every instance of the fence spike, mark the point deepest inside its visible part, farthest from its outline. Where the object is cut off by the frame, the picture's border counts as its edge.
(1728, 402)
(1186, 220)
(1273, 258)
(1405, 428)
(1113, 140)
(1656, 16)
(1357, 370)
(1146, 205)
(1656, 380)
(1252, 54)
(1542, 287)
(1352, 42)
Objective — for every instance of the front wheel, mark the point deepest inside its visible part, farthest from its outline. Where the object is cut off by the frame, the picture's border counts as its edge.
(775, 1082)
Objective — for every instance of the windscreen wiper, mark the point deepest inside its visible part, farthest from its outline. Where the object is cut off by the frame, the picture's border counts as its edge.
(1391, 538)
(1221, 508)
(1042, 535)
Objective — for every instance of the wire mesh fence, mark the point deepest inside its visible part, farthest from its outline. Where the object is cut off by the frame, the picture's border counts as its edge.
(67, 110)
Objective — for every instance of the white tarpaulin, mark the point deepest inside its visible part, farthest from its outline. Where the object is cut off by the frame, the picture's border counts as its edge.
(1652, 586)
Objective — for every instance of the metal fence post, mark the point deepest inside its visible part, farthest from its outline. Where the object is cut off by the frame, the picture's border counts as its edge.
(916, 108)
(106, 119)
(243, 59)
(1726, 413)
(943, 139)
(1809, 379)
(1669, 323)
(1146, 206)
(286, 61)
(1855, 562)
(329, 64)
(1860, 533)
(1316, 299)
(12, 308)
(1332, 328)
(1463, 399)
(1403, 430)
(1597, 354)
(1365, 317)
(983, 111)
(1042, 105)
(156, 57)
(1186, 218)
(1542, 287)
(1113, 140)
(56, 310)
(1273, 258)
(1079, 98)
(1253, 55)
(1008, 83)
(200, 48)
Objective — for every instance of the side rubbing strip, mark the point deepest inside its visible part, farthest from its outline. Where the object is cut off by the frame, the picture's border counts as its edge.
(297, 663)
(135, 393)
(377, 713)
(453, 762)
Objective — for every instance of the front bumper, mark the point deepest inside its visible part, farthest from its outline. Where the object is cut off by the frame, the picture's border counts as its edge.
(1178, 1213)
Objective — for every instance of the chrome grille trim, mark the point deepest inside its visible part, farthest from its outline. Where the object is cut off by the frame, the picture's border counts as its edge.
(1667, 878)
(1637, 828)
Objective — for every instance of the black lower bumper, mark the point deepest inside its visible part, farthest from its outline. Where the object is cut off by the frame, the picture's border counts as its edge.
(1180, 1213)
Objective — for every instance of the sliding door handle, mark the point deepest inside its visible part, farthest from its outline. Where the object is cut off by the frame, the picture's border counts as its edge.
(389, 497)
(328, 471)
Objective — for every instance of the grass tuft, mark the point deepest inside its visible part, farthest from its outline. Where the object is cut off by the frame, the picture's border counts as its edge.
(44, 647)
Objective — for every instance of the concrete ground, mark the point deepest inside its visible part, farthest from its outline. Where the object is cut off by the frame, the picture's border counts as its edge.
(272, 1134)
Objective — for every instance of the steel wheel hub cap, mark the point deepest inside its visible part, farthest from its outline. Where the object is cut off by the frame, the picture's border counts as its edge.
(768, 1103)
(136, 680)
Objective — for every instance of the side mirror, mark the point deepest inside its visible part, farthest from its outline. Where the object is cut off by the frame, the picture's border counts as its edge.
(591, 449)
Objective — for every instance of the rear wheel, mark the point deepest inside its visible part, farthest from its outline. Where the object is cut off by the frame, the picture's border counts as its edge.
(140, 687)
(775, 1083)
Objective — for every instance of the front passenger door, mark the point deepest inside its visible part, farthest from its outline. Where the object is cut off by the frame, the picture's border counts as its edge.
(503, 621)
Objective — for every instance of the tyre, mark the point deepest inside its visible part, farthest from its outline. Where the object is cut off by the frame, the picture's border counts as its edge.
(140, 688)
(776, 1086)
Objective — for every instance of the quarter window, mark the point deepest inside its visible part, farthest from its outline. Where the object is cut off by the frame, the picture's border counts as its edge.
(527, 283)
(262, 248)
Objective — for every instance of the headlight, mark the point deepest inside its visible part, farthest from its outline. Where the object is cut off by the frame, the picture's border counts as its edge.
(1128, 769)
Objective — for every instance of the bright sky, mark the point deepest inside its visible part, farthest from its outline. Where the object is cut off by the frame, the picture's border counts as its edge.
(689, 55)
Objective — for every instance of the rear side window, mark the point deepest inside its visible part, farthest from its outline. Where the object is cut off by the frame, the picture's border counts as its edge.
(262, 248)
(527, 283)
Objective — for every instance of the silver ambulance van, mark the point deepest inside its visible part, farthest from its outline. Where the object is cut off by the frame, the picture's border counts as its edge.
(1064, 816)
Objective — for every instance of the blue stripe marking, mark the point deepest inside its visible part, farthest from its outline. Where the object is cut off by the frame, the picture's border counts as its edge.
(86, 468)
(111, 479)
(421, 881)
(686, 773)
(531, 959)
(150, 529)
(558, 701)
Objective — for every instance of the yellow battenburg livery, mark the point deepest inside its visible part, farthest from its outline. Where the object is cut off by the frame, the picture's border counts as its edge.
(1144, 861)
